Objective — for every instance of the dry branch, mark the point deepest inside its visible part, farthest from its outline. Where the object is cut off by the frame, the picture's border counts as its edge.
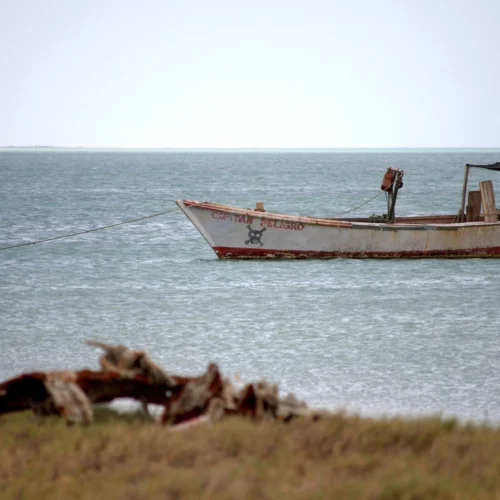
(132, 374)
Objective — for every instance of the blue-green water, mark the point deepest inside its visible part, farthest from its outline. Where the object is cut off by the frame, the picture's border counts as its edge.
(406, 337)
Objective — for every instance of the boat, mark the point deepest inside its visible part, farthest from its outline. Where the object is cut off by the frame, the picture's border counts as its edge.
(239, 233)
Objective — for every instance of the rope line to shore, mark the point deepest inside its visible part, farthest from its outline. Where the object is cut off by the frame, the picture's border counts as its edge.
(90, 230)
(131, 221)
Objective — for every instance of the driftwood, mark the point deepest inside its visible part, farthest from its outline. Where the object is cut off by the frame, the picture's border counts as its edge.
(132, 374)
(25, 392)
(68, 398)
(130, 363)
(124, 360)
(47, 393)
(195, 397)
(71, 393)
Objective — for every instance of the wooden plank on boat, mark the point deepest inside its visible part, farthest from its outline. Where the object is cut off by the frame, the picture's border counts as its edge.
(488, 199)
(469, 216)
(473, 210)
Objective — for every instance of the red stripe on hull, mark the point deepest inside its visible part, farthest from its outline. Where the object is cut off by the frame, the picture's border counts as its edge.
(259, 253)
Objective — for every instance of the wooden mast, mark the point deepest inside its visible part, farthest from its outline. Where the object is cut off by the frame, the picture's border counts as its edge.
(393, 194)
(461, 214)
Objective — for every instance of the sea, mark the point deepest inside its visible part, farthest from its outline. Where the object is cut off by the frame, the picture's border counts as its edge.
(378, 338)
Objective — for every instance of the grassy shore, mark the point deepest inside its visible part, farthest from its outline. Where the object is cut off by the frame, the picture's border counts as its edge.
(128, 457)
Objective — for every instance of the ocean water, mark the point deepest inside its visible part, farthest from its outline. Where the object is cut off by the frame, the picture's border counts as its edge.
(375, 337)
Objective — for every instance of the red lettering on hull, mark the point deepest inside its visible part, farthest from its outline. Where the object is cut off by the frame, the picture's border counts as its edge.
(282, 224)
(240, 219)
(248, 219)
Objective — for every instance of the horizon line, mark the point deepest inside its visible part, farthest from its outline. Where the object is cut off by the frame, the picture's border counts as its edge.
(256, 148)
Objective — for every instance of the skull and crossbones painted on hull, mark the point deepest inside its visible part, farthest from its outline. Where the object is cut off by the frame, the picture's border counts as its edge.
(254, 236)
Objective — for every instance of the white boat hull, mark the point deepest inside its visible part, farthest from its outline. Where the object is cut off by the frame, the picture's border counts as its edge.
(239, 233)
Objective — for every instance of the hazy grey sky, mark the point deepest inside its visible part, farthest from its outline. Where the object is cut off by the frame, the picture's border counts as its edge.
(259, 73)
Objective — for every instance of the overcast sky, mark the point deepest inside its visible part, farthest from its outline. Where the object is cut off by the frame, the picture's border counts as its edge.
(256, 73)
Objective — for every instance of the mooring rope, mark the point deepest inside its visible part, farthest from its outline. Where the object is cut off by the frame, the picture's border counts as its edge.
(91, 230)
(386, 190)
(109, 226)
(362, 204)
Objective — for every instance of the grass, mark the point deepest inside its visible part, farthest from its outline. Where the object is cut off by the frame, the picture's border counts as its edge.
(128, 457)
